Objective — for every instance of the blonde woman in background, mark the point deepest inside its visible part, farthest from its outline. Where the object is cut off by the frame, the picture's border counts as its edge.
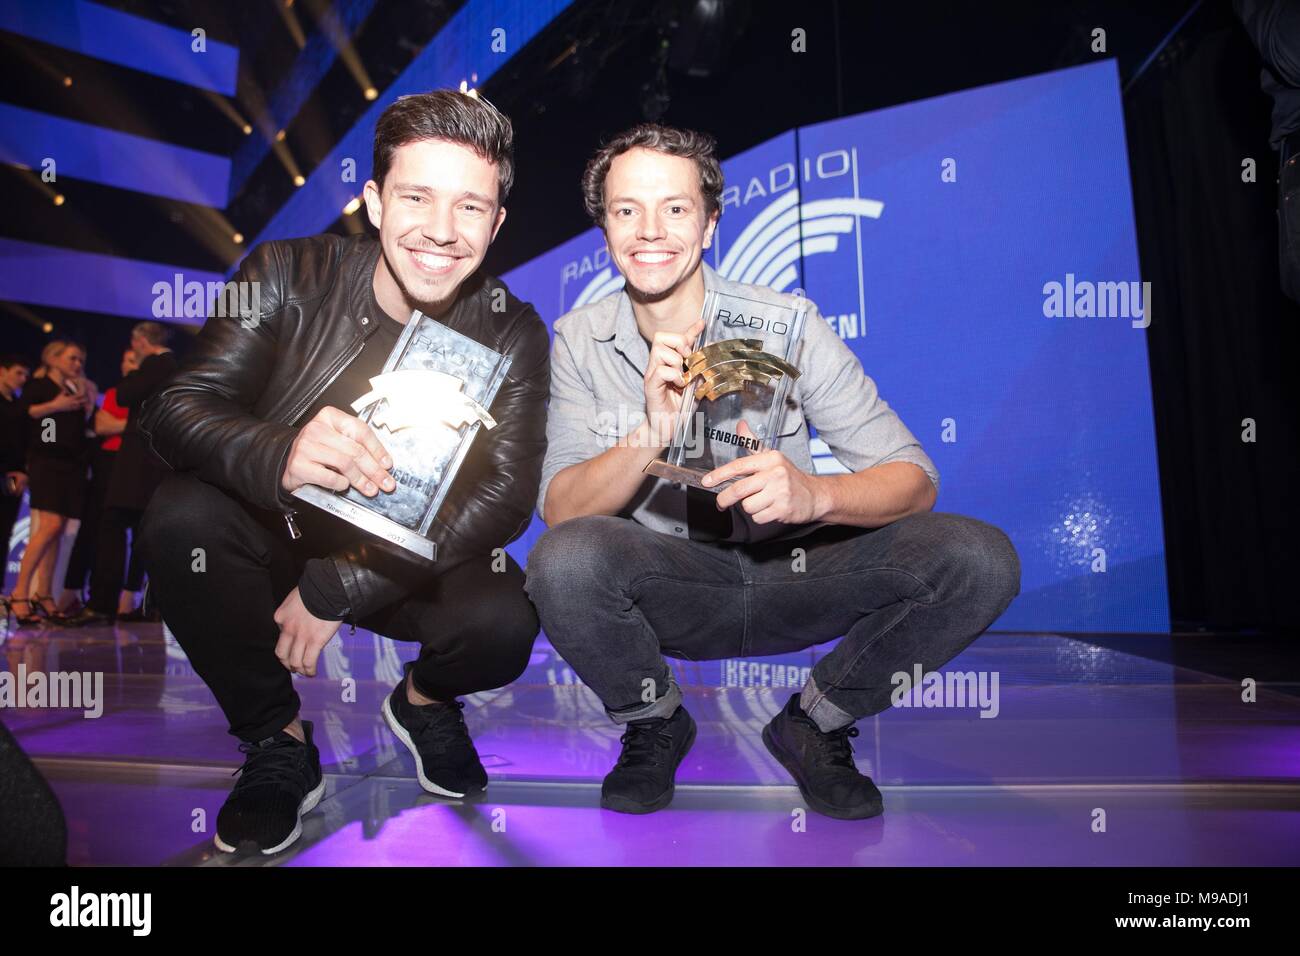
(59, 400)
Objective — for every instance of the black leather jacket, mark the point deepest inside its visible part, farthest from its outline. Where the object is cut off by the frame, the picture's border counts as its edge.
(228, 415)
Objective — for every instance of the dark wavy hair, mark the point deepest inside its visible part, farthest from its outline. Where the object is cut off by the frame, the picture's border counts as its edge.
(686, 143)
(449, 115)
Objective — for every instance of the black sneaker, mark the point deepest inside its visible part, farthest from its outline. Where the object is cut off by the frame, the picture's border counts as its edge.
(822, 764)
(280, 782)
(446, 762)
(643, 779)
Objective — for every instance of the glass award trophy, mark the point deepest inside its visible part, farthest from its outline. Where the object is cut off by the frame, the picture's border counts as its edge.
(425, 406)
(736, 386)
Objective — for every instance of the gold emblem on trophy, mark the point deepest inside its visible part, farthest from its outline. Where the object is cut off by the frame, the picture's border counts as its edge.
(731, 381)
(727, 365)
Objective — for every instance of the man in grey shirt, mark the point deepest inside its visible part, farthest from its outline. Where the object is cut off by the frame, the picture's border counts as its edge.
(634, 568)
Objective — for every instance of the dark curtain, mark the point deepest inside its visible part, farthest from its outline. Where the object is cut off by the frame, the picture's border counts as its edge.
(1223, 338)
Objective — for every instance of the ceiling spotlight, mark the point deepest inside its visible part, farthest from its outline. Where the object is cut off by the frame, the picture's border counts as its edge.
(247, 129)
(47, 327)
(58, 199)
(370, 93)
(353, 205)
(279, 137)
(298, 180)
(67, 81)
(238, 238)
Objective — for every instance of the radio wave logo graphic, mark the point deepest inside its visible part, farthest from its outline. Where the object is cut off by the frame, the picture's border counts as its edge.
(767, 249)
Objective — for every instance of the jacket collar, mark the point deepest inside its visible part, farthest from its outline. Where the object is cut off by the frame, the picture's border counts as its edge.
(619, 322)
(360, 276)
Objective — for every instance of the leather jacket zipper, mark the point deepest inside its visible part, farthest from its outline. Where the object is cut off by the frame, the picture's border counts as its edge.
(294, 532)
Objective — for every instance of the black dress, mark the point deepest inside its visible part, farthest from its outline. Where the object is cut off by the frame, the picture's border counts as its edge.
(56, 470)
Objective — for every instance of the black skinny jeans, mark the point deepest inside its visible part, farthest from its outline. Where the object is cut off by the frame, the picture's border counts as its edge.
(476, 625)
(82, 560)
(107, 580)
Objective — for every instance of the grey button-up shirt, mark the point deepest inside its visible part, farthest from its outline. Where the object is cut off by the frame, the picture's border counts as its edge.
(598, 365)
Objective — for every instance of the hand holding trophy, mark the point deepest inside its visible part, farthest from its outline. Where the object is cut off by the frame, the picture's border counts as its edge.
(743, 370)
(424, 410)
(665, 379)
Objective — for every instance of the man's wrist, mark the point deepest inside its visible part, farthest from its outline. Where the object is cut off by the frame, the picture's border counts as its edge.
(643, 436)
(823, 496)
(659, 428)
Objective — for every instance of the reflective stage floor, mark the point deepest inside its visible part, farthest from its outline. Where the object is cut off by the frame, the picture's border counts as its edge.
(1094, 751)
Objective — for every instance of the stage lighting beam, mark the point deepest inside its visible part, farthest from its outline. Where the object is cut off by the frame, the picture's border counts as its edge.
(333, 30)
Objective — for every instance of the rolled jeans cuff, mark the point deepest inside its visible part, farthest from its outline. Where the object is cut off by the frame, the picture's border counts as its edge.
(663, 706)
(823, 711)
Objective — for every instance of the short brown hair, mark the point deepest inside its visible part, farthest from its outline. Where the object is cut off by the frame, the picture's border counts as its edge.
(448, 115)
(686, 143)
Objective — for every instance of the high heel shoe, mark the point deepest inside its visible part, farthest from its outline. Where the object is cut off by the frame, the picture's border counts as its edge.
(52, 612)
(22, 620)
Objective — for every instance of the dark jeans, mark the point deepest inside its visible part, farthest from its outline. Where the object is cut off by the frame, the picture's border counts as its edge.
(614, 597)
(82, 560)
(111, 573)
(475, 624)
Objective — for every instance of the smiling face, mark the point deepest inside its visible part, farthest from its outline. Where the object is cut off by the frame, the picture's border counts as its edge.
(656, 222)
(437, 214)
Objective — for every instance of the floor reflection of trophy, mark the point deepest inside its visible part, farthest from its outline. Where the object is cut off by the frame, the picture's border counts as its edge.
(736, 386)
(426, 406)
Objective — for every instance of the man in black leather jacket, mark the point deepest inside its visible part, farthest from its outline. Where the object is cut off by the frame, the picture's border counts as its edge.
(254, 585)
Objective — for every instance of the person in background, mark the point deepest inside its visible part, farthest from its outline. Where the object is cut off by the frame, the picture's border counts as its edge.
(136, 474)
(109, 423)
(1274, 28)
(59, 403)
(14, 370)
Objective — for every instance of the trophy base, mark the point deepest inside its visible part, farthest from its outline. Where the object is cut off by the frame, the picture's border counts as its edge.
(383, 528)
(683, 476)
